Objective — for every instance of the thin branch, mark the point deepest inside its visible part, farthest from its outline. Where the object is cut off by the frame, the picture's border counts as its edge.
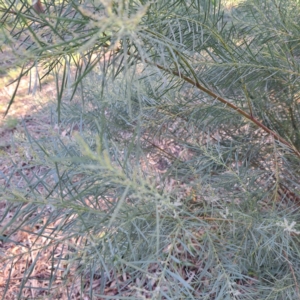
(293, 274)
(227, 103)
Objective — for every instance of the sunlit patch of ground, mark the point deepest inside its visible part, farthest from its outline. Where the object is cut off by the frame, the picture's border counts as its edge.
(25, 109)
(27, 100)
(229, 4)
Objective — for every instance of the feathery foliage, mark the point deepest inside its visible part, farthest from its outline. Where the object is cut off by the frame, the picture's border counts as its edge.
(176, 171)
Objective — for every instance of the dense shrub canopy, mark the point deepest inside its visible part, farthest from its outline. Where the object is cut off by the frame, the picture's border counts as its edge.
(182, 181)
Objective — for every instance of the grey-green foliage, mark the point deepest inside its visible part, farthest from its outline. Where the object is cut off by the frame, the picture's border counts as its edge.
(169, 192)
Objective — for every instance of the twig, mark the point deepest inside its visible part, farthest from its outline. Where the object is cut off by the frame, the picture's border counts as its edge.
(293, 274)
(227, 103)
